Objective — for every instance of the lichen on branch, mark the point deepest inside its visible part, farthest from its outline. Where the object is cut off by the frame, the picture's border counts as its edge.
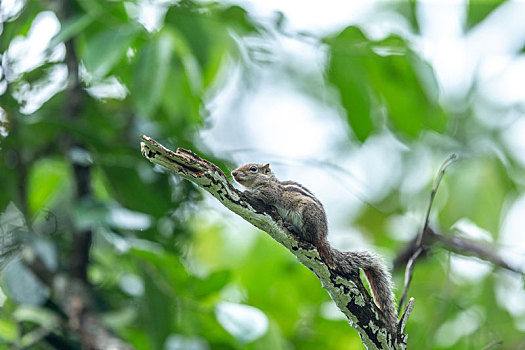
(345, 288)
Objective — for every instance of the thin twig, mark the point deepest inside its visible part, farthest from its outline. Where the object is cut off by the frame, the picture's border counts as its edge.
(406, 314)
(409, 271)
(408, 276)
(451, 159)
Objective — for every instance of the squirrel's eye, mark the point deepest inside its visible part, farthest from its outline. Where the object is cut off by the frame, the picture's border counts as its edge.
(253, 168)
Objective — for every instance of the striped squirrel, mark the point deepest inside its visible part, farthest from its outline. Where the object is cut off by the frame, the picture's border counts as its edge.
(304, 215)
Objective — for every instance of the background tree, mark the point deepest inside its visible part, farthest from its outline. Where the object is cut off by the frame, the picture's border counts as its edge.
(100, 248)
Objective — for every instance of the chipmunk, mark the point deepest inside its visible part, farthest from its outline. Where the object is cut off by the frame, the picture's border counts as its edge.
(304, 215)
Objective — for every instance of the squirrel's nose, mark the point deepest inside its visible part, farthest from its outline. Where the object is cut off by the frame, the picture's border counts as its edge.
(234, 173)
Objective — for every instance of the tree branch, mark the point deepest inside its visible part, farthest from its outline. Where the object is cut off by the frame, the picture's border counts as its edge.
(345, 289)
(73, 297)
(406, 314)
(422, 236)
(457, 244)
(75, 100)
(421, 245)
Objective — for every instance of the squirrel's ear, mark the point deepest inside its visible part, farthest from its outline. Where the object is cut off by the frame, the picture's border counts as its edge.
(266, 168)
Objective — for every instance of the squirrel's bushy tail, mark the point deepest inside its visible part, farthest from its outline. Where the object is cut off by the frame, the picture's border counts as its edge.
(378, 277)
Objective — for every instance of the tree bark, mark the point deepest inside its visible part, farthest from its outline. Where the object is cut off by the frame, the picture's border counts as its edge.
(346, 290)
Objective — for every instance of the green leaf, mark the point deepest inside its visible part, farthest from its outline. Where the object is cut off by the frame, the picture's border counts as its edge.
(12, 227)
(407, 9)
(478, 10)
(11, 220)
(22, 285)
(38, 315)
(131, 192)
(196, 29)
(159, 307)
(151, 72)
(179, 103)
(346, 70)
(373, 75)
(48, 181)
(238, 17)
(71, 28)
(212, 284)
(120, 318)
(89, 214)
(104, 50)
(113, 11)
(411, 107)
(8, 330)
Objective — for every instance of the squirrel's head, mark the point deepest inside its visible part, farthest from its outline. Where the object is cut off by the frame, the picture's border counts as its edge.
(250, 175)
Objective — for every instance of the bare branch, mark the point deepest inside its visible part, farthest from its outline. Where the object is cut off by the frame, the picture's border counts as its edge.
(457, 244)
(422, 235)
(404, 255)
(425, 240)
(73, 298)
(92, 332)
(406, 314)
(74, 103)
(451, 159)
(409, 272)
(345, 287)
(464, 246)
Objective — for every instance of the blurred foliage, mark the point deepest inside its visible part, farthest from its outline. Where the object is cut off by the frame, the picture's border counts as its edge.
(479, 10)
(383, 74)
(160, 269)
